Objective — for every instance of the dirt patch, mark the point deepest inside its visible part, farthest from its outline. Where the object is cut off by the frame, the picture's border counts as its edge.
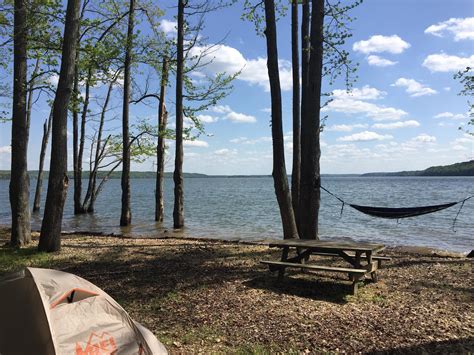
(215, 297)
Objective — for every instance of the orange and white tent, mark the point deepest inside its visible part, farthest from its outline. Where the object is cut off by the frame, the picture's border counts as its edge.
(48, 312)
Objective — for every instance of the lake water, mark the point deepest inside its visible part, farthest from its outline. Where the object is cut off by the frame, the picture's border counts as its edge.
(246, 208)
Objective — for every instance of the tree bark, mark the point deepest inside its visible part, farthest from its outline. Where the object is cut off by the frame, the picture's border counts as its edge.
(75, 138)
(91, 189)
(295, 174)
(29, 104)
(310, 129)
(178, 210)
(280, 177)
(126, 214)
(44, 146)
(50, 237)
(19, 182)
(160, 148)
(78, 206)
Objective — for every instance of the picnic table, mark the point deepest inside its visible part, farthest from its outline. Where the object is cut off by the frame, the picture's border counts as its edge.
(361, 257)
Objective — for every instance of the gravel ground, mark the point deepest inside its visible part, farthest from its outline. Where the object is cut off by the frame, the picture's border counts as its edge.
(201, 296)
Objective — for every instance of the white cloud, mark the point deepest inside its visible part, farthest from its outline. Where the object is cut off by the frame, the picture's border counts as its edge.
(231, 115)
(377, 61)
(365, 136)
(240, 117)
(222, 58)
(53, 80)
(364, 93)
(196, 143)
(225, 152)
(460, 28)
(6, 149)
(377, 44)
(447, 63)
(168, 27)
(245, 140)
(238, 140)
(424, 138)
(451, 116)
(207, 118)
(395, 125)
(376, 112)
(352, 103)
(344, 127)
(220, 109)
(414, 88)
(266, 110)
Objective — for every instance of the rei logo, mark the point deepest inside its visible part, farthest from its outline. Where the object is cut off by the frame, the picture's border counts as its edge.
(98, 345)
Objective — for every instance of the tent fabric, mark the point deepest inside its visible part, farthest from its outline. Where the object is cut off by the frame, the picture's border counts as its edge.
(46, 311)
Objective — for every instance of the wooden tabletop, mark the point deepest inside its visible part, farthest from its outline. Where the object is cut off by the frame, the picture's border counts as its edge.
(327, 245)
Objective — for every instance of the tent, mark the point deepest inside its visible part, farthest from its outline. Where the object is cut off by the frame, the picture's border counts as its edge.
(47, 312)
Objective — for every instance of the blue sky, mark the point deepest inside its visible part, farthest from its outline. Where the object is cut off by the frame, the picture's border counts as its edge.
(403, 113)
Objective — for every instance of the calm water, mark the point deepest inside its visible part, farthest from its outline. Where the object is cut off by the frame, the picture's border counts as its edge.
(246, 208)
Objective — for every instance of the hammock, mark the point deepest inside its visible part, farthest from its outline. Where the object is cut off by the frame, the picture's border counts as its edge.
(403, 212)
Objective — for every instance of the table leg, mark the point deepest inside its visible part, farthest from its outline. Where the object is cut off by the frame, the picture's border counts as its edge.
(284, 257)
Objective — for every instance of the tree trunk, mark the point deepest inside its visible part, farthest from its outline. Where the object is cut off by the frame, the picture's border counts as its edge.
(178, 211)
(280, 177)
(310, 129)
(98, 155)
(75, 139)
(29, 104)
(160, 148)
(78, 206)
(126, 215)
(44, 145)
(50, 237)
(295, 174)
(19, 181)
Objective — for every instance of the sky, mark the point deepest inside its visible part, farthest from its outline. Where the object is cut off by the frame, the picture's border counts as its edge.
(402, 114)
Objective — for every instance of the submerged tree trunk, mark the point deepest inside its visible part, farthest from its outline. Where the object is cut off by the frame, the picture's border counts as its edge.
(78, 206)
(126, 214)
(19, 181)
(50, 237)
(44, 146)
(99, 150)
(178, 211)
(29, 104)
(280, 177)
(310, 129)
(160, 148)
(295, 174)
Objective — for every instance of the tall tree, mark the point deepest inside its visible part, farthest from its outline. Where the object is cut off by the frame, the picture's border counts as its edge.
(50, 237)
(178, 210)
(44, 145)
(280, 177)
(19, 181)
(466, 78)
(126, 214)
(160, 148)
(295, 173)
(310, 129)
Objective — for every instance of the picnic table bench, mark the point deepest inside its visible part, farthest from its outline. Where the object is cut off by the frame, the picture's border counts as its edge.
(361, 257)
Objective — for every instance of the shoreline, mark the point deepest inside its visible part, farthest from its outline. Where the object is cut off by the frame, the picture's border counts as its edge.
(183, 235)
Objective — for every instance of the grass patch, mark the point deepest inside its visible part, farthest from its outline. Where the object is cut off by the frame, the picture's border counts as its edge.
(12, 259)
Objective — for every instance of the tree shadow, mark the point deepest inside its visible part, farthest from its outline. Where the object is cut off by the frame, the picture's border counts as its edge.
(308, 285)
(454, 346)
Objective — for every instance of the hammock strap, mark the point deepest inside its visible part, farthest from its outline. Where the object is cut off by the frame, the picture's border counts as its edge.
(337, 197)
(459, 211)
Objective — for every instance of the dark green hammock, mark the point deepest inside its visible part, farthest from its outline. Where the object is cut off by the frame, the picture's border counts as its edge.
(402, 212)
